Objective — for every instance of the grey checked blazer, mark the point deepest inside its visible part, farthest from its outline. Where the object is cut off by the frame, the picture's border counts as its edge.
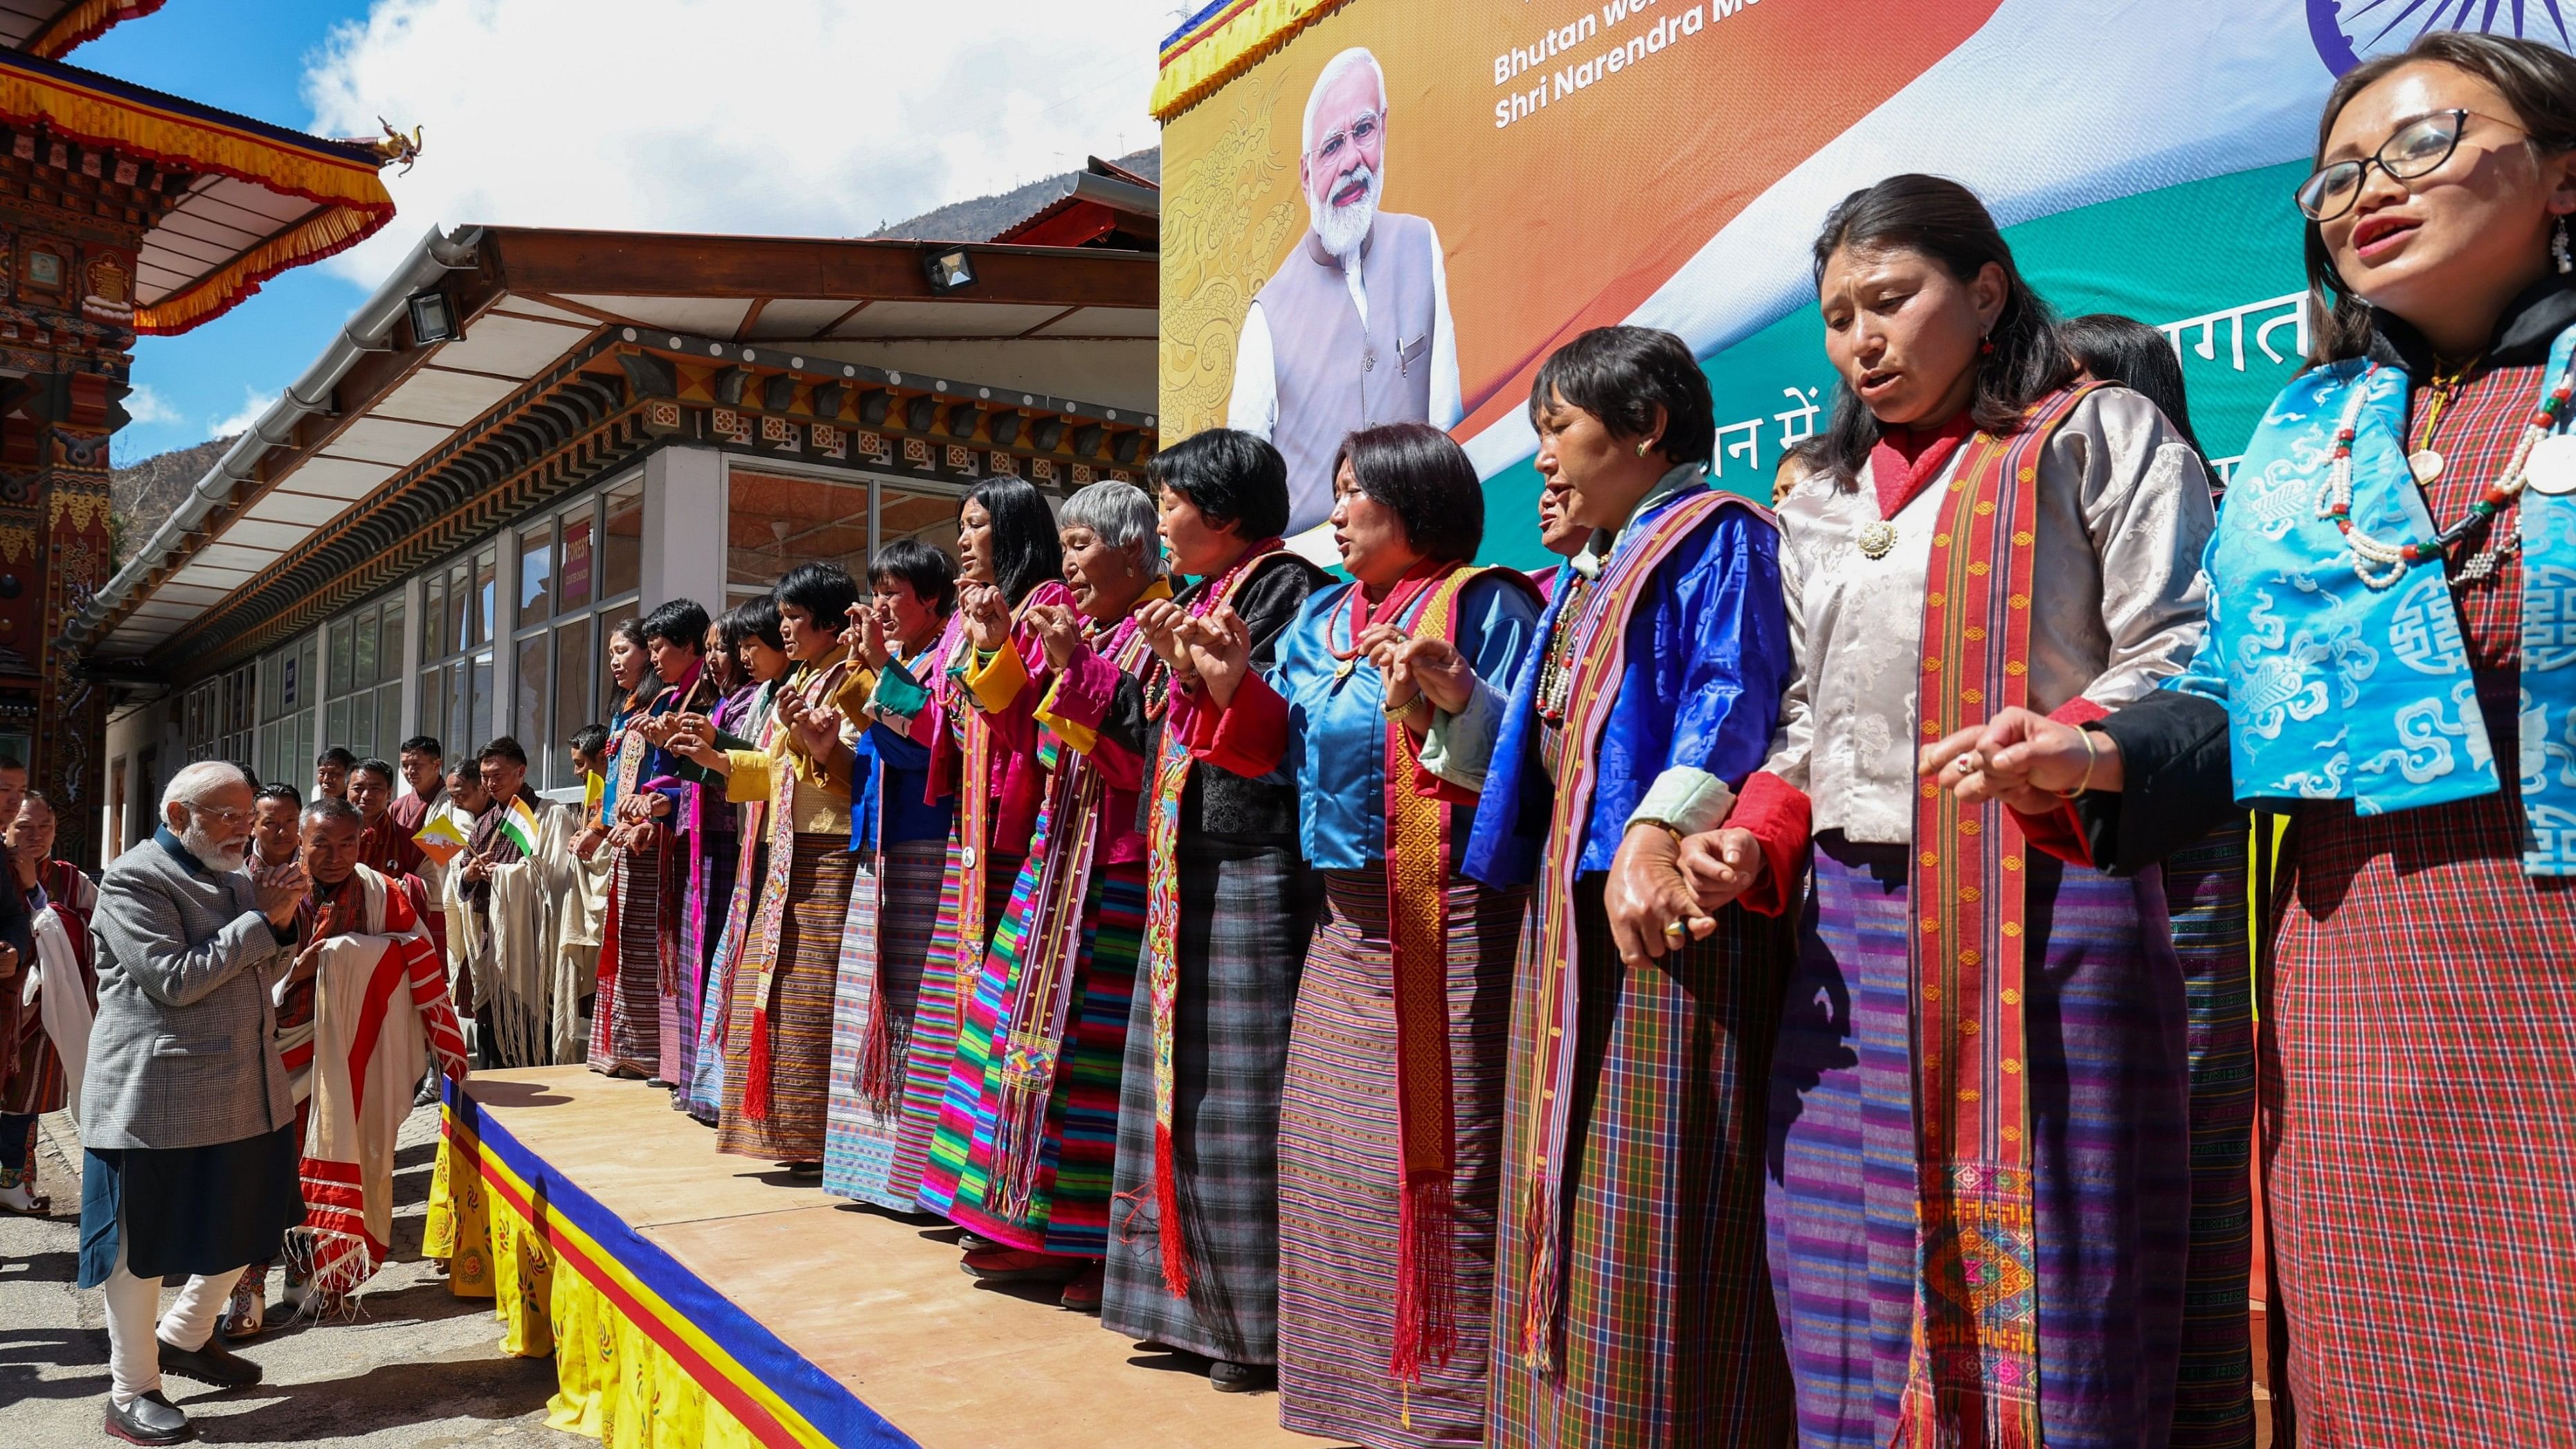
(182, 1054)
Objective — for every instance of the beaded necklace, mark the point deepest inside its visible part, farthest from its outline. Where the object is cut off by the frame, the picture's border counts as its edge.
(1556, 667)
(2380, 563)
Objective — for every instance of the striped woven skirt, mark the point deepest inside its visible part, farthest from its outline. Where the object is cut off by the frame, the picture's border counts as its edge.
(2205, 890)
(1668, 1335)
(2418, 1072)
(1246, 912)
(1068, 1209)
(715, 1003)
(2109, 1124)
(933, 1049)
(1341, 1171)
(626, 1016)
(800, 1012)
(860, 1157)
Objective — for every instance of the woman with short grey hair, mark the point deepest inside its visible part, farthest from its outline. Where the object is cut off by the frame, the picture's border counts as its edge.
(1120, 517)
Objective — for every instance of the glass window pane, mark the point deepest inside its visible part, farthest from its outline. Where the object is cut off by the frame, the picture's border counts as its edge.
(574, 589)
(536, 573)
(362, 670)
(481, 723)
(572, 678)
(774, 523)
(622, 549)
(335, 723)
(486, 597)
(433, 613)
(904, 513)
(340, 652)
(460, 723)
(460, 608)
(528, 714)
(389, 665)
(362, 725)
(433, 704)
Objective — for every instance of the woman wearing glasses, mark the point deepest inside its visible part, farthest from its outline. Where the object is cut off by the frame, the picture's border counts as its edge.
(2392, 663)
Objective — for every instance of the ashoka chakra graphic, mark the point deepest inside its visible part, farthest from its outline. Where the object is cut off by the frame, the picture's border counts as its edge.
(2348, 32)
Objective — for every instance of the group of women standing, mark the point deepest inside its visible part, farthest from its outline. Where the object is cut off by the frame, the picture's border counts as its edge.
(1772, 978)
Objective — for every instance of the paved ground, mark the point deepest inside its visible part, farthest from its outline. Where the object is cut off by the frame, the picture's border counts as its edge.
(415, 1368)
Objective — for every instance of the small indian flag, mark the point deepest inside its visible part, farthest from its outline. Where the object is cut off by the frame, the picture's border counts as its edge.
(441, 838)
(519, 822)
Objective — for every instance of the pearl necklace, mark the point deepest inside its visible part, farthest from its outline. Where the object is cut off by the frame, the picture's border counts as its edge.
(2380, 563)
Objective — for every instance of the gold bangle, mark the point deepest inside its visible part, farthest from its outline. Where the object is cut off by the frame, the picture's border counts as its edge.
(1666, 826)
(2090, 760)
(1405, 710)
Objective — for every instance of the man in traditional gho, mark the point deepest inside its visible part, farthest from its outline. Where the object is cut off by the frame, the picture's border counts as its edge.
(738, 847)
(1391, 1099)
(1632, 1307)
(512, 903)
(1353, 329)
(2388, 668)
(331, 772)
(1028, 1133)
(1194, 1224)
(645, 977)
(52, 993)
(988, 760)
(383, 845)
(778, 1033)
(899, 838)
(1981, 1199)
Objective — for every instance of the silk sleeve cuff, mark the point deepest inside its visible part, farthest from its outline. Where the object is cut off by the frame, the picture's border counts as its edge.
(1780, 817)
(1687, 798)
(749, 779)
(1459, 748)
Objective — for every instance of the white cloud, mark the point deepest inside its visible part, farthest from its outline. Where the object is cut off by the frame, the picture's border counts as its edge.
(146, 407)
(790, 117)
(254, 402)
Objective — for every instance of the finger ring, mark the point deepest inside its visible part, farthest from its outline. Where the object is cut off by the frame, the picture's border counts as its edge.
(1673, 929)
(1972, 762)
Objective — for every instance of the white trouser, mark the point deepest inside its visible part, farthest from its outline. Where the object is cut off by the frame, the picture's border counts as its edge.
(133, 1356)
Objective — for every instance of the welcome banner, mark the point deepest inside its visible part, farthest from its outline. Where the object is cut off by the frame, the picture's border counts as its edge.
(1544, 166)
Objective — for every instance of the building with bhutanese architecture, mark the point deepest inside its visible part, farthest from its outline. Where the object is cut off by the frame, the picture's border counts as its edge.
(123, 211)
(526, 435)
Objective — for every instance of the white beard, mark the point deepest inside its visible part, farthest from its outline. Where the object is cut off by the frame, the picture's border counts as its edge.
(1342, 228)
(201, 843)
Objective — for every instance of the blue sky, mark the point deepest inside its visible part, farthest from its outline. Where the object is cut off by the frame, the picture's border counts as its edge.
(746, 116)
(246, 56)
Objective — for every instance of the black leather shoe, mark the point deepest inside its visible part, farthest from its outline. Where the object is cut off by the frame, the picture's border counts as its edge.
(150, 1419)
(213, 1364)
(1240, 1378)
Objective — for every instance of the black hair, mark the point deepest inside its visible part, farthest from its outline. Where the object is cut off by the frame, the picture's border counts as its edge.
(1622, 375)
(1026, 550)
(1230, 477)
(331, 807)
(590, 739)
(1423, 475)
(930, 574)
(750, 619)
(1944, 222)
(374, 767)
(2538, 81)
(340, 755)
(681, 621)
(2136, 356)
(423, 745)
(825, 591)
(503, 747)
(629, 629)
(285, 792)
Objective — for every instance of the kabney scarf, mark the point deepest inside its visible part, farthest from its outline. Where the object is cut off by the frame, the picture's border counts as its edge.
(1600, 655)
(1973, 1380)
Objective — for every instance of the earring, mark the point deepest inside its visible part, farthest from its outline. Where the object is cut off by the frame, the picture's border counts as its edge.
(2558, 248)
(1641, 443)
(1986, 346)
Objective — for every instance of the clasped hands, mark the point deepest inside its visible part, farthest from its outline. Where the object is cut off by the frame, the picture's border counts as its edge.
(2023, 759)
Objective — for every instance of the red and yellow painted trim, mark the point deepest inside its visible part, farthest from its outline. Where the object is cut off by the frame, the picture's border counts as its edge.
(99, 112)
(1223, 41)
(85, 22)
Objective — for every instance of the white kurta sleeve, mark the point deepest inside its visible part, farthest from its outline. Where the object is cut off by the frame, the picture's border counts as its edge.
(1446, 407)
(1254, 407)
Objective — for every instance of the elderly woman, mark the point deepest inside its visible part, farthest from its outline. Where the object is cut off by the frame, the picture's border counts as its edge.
(1194, 1248)
(1634, 1109)
(1391, 1112)
(1028, 1132)
(1980, 1075)
(2406, 703)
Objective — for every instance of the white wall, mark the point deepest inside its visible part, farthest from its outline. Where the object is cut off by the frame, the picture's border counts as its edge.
(684, 528)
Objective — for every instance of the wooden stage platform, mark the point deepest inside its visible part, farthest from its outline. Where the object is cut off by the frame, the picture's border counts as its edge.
(877, 1305)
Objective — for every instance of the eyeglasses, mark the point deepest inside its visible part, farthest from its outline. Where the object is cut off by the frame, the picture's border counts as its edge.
(1362, 131)
(228, 817)
(2417, 149)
